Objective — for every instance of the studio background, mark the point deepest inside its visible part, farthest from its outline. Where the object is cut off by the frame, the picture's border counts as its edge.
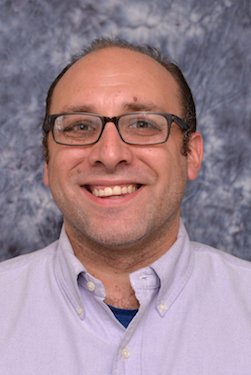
(210, 41)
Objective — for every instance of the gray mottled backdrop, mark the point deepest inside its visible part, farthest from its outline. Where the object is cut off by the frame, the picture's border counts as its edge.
(209, 39)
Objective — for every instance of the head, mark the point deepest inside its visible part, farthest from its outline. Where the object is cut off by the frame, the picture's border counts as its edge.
(115, 195)
(186, 97)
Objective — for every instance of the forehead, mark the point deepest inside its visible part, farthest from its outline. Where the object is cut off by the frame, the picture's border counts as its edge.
(114, 71)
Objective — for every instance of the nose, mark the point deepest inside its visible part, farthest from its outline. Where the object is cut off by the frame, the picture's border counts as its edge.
(110, 150)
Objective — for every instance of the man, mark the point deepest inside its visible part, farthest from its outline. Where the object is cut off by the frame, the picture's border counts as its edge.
(123, 291)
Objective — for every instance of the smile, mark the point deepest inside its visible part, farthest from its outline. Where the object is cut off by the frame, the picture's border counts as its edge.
(117, 190)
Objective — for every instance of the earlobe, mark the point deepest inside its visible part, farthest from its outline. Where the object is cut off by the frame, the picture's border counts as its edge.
(45, 175)
(195, 155)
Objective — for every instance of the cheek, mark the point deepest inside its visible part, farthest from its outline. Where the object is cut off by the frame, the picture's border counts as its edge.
(61, 156)
(64, 158)
(55, 169)
(168, 161)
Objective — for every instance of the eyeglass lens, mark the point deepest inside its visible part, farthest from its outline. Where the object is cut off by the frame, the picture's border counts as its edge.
(137, 128)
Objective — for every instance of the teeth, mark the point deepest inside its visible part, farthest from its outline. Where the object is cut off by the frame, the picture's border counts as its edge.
(115, 190)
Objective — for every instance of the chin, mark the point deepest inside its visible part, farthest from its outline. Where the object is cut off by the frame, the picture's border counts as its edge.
(115, 239)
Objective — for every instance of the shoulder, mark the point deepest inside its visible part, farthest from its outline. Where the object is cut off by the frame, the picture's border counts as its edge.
(26, 262)
(206, 252)
(220, 266)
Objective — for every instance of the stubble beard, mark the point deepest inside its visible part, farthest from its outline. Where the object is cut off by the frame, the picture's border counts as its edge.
(126, 238)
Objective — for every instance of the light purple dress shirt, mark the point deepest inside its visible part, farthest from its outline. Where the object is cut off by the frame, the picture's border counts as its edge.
(194, 316)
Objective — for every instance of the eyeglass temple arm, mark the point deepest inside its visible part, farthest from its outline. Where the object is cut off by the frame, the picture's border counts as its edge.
(184, 126)
(47, 124)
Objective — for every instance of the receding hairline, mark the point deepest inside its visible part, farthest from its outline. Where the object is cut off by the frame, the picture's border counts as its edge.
(90, 53)
(78, 59)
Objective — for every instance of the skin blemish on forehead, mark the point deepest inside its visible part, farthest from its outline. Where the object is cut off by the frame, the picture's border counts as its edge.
(135, 99)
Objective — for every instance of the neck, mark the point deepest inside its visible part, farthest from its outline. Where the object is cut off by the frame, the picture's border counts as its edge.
(113, 265)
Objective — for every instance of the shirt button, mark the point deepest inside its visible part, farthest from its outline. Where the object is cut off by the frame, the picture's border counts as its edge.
(80, 311)
(162, 307)
(91, 286)
(125, 353)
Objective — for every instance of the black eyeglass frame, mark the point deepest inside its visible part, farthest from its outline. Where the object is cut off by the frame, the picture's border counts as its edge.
(49, 124)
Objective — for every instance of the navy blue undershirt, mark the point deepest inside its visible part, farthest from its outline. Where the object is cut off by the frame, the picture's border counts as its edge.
(124, 316)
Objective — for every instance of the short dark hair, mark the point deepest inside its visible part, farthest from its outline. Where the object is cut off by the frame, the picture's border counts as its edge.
(187, 101)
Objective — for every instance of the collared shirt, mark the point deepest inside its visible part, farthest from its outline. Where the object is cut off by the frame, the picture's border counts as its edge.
(194, 316)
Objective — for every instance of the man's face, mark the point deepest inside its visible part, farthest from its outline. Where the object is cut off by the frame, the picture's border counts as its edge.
(146, 183)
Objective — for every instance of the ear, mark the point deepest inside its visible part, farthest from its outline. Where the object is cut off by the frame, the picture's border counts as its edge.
(195, 155)
(45, 175)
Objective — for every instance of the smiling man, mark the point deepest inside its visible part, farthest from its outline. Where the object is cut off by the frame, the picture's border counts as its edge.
(124, 290)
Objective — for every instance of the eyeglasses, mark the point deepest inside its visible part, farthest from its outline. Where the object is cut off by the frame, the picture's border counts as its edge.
(138, 128)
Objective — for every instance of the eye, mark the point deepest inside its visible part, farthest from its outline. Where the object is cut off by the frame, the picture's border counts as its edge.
(79, 127)
(82, 126)
(142, 124)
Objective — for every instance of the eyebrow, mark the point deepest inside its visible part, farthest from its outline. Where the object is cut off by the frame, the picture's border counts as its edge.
(126, 107)
(78, 108)
(146, 107)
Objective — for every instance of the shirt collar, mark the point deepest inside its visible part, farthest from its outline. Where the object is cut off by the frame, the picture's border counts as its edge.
(67, 270)
(173, 269)
(169, 274)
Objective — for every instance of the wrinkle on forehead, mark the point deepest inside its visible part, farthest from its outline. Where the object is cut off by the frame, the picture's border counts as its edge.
(114, 76)
(132, 106)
